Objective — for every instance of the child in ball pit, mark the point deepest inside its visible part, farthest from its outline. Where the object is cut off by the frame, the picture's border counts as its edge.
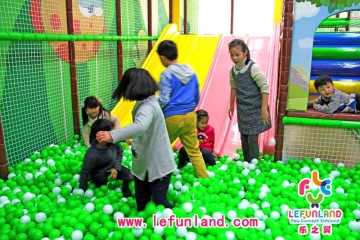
(153, 159)
(91, 111)
(103, 159)
(206, 136)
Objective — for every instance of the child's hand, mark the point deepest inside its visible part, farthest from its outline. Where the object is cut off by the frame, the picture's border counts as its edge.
(128, 142)
(103, 136)
(113, 173)
(265, 116)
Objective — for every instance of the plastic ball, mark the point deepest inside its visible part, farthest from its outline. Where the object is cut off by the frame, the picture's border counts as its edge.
(89, 207)
(50, 162)
(272, 141)
(28, 176)
(317, 161)
(334, 205)
(25, 219)
(275, 215)
(230, 235)
(340, 165)
(252, 166)
(265, 205)
(137, 232)
(236, 156)
(356, 213)
(181, 231)
(89, 193)
(241, 194)
(77, 235)
(184, 189)
(118, 215)
(28, 196)
(188, 207)
(259, 214)
(261, 226)
(40, 217)
(108, 209)
(190, 236)
(340, 190)
(159, 230)
(273, 171)
(251, 181)
(231, 214)
(167, 212)
(177, 185)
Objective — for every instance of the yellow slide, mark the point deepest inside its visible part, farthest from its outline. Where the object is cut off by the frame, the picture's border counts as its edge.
(196, 50)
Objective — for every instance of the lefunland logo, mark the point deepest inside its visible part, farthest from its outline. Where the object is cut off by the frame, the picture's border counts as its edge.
(320, 220)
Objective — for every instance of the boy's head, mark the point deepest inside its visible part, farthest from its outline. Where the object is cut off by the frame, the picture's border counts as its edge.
(167, 51)
(324, 85)
(202, 119)
(100, 125)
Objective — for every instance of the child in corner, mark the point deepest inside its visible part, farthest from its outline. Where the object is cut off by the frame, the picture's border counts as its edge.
(331, 99)
(153, 158)
(104, 159)
(249, 85)
(206, 136)
(91, 111)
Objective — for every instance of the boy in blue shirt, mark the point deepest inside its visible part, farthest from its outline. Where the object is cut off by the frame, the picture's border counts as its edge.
(178, 98)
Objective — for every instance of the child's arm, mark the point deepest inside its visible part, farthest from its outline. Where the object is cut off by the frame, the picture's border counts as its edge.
(85, 134)
(117, 165)
(335, 101)
(86, 169)
(260, 79)
(232, 94)
(165, 89)
(264, 108)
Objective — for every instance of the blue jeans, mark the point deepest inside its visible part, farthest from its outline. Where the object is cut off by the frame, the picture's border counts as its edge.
(207, 155)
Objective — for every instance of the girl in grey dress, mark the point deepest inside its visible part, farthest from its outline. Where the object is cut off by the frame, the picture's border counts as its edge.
(249, 86)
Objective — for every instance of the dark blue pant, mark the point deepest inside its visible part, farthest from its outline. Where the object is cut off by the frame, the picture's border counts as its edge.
(126, 176)
(207, 155)
(250, 146)
(157, 190)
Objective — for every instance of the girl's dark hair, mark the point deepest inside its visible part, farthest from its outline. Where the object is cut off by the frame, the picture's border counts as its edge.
(201, 113)
(91, 102)
(100, 125)
(168, 49)
(136, 84)
(322, 80)
(242, 45)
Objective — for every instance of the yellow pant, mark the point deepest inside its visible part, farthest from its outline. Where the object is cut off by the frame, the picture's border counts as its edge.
(184, 127)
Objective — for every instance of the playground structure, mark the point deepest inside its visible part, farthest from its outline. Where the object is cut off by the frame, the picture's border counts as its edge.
(61, 86)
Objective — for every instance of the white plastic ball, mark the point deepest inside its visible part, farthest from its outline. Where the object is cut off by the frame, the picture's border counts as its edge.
(68, 151)
(245, 164)
(210, 174)
(236, 180)
(58, 181)
(229, 159)
(236, 156)
(196, 184)
(340, 165)
(28, 196)
(190, 236)
(187, 207)
(203, 209)
(159, 230)
(78, 191)
(265, 205)
(279, 238)
(137, 232)
(317, 161)
(255, 161)
(257, 171)
(167, 212)
(217, 215)
(251, 181)
(314, 236)
(261, 226)
(56, 190)
(40, 217)
(177, 185)
(28, 176)
(230, 235)
(259, 214)
(275, 215)
(241, 194)
(108, 209)
(76, 176)
(118, 215)
(239, 163)
(356, 213)
(50, 162)
(273, 171)
(27, 160)
(89, 193)
(11, 175)
(354, 226)
(77, 235)
(184, 188)
(61, 199)
(176, 171)
(340, 190)
(284, 209)
(262, 195)
(334, 205)
(39, 161)
(181, 231)
(252, 166)
(25, 219)
(43, 169)
(15, 200)
(272, 141)
(231, 214)
(89, 207)
(178, 176)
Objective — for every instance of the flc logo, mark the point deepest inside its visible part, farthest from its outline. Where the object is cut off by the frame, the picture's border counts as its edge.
(323, 185)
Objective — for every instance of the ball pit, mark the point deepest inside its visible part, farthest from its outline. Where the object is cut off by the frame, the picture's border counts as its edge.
(41, 199)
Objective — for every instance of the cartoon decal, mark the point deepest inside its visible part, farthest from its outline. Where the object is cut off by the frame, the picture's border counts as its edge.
(88, 19)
